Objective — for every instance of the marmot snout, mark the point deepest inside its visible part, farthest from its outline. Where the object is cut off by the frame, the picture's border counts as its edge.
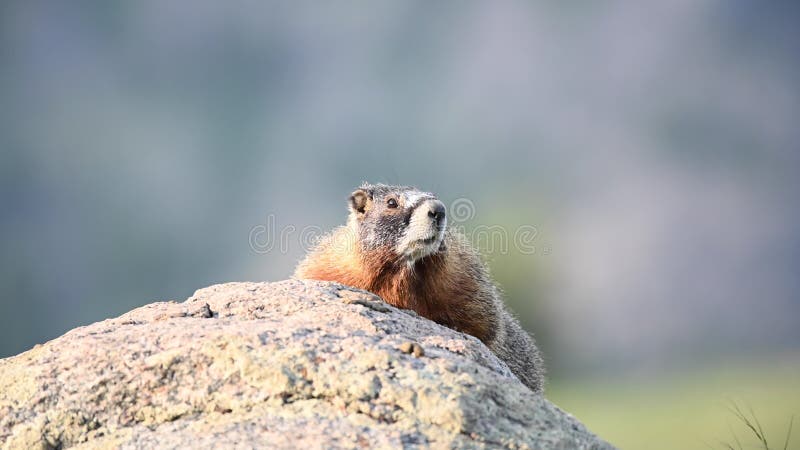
(424, 233)
(397, 245)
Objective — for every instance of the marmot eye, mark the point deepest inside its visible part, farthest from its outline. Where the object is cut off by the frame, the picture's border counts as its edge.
(391, 203)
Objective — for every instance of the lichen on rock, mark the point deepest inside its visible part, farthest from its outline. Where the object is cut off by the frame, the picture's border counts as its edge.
(287, 364)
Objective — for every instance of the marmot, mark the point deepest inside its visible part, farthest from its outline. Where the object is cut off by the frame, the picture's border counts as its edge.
(396, 244)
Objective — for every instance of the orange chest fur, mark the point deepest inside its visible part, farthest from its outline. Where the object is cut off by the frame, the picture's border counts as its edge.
(446, 297)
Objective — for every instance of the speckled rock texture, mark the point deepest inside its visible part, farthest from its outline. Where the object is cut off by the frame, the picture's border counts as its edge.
(291, 364)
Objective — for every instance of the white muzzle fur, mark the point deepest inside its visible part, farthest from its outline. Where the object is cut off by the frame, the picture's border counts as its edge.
(425, 231)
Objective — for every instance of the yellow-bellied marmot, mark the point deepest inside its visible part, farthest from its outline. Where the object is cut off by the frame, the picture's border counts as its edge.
(396, 245)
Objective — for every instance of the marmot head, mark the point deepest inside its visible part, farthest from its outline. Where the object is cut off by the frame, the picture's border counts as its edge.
(402, 220)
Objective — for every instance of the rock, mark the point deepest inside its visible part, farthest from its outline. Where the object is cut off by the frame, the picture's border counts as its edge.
(292, 364)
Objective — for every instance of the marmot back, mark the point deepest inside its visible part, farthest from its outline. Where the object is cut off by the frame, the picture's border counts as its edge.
(397, 245)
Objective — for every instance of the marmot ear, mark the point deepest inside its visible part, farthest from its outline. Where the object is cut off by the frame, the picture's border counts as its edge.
(358, 201)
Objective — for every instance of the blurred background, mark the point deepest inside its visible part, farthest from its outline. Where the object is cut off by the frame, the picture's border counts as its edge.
(654, 148)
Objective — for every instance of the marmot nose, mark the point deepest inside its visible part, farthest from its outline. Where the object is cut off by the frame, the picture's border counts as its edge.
(436, 211)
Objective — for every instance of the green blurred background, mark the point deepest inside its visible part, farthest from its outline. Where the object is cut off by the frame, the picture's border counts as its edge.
(654, 148)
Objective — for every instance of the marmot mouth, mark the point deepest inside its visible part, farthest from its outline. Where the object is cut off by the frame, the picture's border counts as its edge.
(429, 240)
(420, 248)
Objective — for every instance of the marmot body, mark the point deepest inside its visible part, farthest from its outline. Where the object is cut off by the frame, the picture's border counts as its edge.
(397, 245)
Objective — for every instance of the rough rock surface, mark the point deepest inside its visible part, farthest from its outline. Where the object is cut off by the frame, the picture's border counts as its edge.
(292, 364)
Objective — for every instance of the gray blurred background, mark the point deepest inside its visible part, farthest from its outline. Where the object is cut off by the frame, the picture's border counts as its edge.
(653, 146)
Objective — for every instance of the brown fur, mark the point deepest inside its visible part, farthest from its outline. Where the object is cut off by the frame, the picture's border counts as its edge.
(448, 287)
